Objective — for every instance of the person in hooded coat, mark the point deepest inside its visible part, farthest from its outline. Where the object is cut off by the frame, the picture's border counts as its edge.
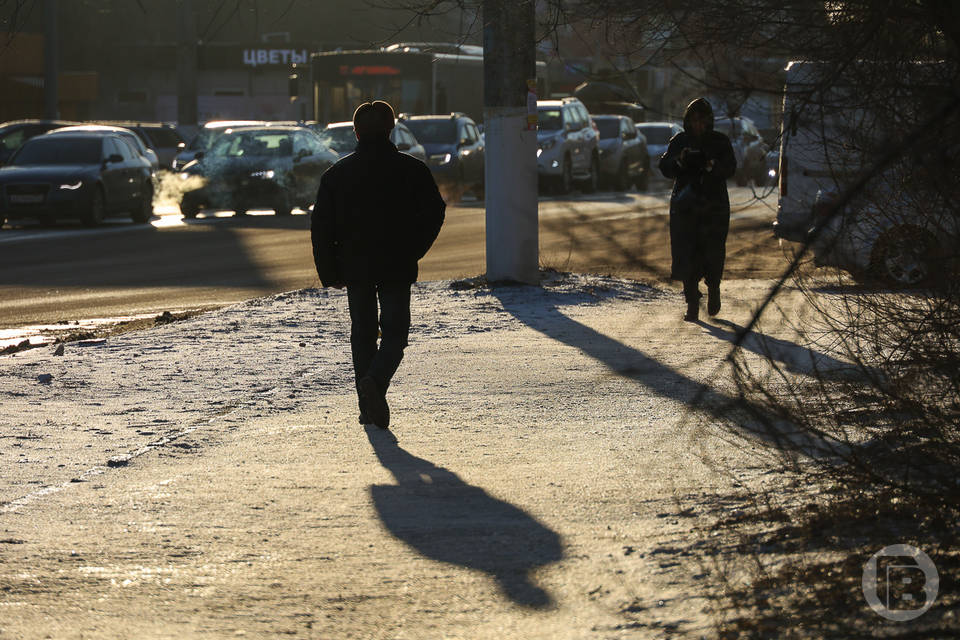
(700, 160)
(378, 211)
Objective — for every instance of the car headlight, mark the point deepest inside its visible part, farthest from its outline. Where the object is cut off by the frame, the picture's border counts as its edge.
(548, 144)
(539, 151)
(442, 158)
(266, 174)
(72, 187)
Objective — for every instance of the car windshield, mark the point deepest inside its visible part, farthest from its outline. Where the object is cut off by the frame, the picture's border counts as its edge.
(205, 139)
(13, 140)
(724, 126)
(59, 150)
(433, 131)
(549, 119)
(657, 135)
(248, 144)
(135, 141)
(163, 137)
(339, 138)
(608, 128)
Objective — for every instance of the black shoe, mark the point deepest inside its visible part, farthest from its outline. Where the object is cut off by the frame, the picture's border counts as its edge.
(713, 300)
(363, 419)
(374, 402)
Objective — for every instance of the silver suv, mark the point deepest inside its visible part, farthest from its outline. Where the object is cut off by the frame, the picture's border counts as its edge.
(567, 145)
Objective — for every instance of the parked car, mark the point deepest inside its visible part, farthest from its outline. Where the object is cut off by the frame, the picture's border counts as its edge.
(80, 174)
(658, 136)
(135, 141)
(205, 139)
(271, 167)
(748, 147)
(16, 132)
(341, 139)
(407, 142)
(163, 138)
(453, 147)
(567, 145)
(338, 136)
(892, 235)
(624, 159)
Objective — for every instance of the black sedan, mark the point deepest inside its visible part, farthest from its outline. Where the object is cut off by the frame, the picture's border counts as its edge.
(276, 167)
(76, 175)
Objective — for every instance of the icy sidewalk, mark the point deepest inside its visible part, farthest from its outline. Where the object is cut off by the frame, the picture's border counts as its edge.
(534, 489)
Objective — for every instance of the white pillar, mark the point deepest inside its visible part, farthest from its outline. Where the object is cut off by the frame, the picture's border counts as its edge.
(513, 243)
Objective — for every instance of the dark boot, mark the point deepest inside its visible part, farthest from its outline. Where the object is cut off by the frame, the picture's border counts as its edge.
(691, 292)
(373, 402)
(713, 299)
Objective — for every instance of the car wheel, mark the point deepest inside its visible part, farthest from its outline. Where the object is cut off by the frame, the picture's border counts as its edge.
(590, 184)
(282, 208)
(189, 208)
(621, 181)
(95, 214)
(144, 209)
(904, 256)
(566, 177)
(760, 177)
(643, 180)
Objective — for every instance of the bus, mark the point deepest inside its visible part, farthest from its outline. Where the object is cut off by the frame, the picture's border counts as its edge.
(415, 78)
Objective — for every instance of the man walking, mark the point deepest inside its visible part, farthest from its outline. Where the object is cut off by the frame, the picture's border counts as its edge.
(378, 211)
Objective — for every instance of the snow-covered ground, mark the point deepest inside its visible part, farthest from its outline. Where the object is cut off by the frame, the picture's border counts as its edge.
(64, 416)
(559, 455)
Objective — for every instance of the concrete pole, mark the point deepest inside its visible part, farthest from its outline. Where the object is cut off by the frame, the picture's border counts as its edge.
(51, 61)
(186, 65)
(509, 61)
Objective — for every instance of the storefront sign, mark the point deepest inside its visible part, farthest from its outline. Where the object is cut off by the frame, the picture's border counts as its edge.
(274, 57)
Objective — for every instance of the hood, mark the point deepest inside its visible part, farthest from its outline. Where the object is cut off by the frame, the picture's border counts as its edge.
(436, 148)
(549, 133)
(609, 143)
(46, 173)
(700, 105)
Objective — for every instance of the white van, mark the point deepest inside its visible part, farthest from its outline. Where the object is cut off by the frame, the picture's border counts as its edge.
(813, 156)
(896, 229)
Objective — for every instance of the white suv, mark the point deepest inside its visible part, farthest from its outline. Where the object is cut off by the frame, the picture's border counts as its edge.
(567, 141)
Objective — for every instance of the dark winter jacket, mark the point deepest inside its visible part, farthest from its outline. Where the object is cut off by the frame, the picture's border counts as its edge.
(699, 222)
(378, 211)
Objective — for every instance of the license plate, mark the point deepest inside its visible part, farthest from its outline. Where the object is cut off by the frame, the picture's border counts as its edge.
(29, 198)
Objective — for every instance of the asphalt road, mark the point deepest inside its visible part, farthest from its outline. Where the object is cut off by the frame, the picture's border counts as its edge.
(66, 272)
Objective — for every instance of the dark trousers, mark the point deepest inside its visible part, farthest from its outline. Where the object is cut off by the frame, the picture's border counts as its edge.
(394, 326)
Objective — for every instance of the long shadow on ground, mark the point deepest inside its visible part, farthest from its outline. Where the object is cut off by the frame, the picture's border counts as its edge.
(655, 376)
(443, 518)
(794, 357)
